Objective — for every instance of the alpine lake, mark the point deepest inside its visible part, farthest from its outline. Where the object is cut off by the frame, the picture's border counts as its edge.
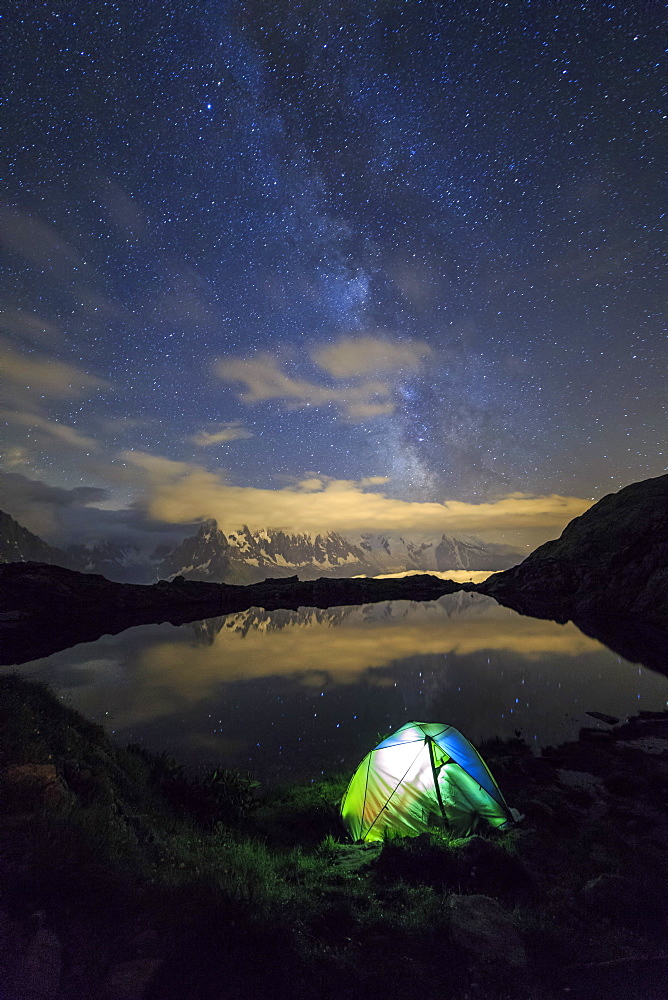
(290, 695)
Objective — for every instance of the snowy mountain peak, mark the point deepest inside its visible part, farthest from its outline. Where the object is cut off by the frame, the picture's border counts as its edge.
(208, 528)
(245, 556)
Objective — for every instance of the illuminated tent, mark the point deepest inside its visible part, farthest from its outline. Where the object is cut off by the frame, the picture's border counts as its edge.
(426, 774)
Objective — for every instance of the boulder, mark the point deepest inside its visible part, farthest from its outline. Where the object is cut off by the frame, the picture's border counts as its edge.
(625, 783)
(31, 786)
(611, 720)
(485, 867)
(608, 894)
(39, 969)
(129, 980)
(482, 927)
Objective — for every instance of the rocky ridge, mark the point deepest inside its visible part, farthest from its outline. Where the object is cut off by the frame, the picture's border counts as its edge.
(610, 561)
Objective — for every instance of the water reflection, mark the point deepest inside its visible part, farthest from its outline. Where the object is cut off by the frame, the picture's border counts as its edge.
(297, 691)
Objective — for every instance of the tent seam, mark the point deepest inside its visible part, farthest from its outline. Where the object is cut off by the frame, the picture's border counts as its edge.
(366, 786)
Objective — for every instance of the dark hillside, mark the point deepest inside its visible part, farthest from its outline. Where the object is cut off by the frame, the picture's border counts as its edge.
(611, 561)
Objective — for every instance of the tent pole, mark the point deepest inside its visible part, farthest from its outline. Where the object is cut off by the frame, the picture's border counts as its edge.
(433, 772)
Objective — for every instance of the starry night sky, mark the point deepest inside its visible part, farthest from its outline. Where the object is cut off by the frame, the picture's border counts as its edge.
(368, 255)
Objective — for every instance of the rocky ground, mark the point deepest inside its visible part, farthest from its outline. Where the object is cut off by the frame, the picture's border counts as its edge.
(122, 878)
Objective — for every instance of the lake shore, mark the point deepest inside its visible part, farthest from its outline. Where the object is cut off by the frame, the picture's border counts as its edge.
(46, 608)
(125, 878)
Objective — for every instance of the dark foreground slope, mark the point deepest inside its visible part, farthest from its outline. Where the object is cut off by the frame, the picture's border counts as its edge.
(611, 561)
(46, 608)
(123, 879)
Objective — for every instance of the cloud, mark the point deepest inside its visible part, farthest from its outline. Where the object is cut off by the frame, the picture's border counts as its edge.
(356, 356)
(15, 456)
(30, 377)
(184, 492)
(38, 243)
(124, 211)
(233, 431)
(63, 516)
(29, 326)
(21, 489)
(33, 381)
(38, 506)
(367, 410)
(62, 432)
(263, 380)
(349, 362)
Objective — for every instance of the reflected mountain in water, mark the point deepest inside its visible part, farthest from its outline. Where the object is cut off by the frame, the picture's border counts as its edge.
(257, 619)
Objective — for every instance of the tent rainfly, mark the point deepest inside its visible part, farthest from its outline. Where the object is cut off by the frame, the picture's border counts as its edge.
(425, 774)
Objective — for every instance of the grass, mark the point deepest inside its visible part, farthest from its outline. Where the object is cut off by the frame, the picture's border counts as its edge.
(234, 880)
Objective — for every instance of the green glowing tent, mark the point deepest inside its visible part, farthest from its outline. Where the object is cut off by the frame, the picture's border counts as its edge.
(423, 775)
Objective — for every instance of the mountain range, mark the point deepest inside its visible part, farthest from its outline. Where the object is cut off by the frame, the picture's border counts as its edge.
(245, 556)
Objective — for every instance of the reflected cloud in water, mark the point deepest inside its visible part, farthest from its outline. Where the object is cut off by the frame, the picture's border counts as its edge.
(291, 691)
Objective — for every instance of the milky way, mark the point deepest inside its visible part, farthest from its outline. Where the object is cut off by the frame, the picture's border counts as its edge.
(280, 241)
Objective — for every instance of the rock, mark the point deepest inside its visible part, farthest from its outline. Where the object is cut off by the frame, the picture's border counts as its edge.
(647, 744)
(144, 943)
(580, 781)
(40, 969)
(610, 561)
(621, 782)
(481, 926)
(608, 894)
(128, 980)
(485, 867)
(611, 720)
(596, 735)
(632, 977)
(658, 778)
(30, 786)
(537, 809)
(77, 983)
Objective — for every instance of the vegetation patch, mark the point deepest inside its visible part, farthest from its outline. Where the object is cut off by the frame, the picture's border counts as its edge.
(135, 868)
